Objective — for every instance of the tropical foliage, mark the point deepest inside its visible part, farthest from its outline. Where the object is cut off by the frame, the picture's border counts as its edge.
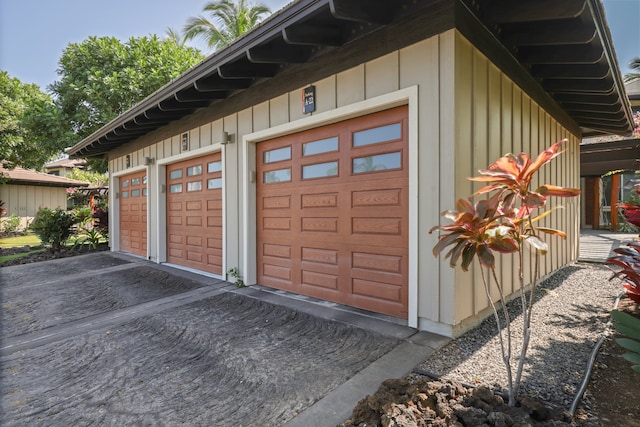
(503, 223)
(30, 125)
(629, 326)
(230, 21)
(53, 226)
(634, 65)
(628, 262)
(102, 77)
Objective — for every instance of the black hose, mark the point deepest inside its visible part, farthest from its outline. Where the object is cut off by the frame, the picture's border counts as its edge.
(592, 360)
(585, 381)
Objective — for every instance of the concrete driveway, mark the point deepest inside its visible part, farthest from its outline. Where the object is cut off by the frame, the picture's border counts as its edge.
(112, 340)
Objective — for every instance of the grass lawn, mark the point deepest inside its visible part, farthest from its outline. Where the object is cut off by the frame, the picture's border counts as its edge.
(28, 239)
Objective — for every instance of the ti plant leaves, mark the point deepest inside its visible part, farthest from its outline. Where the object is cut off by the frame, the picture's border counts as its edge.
(629, 326)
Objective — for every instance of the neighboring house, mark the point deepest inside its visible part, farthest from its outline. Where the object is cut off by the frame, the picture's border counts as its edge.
(62, 167)
(24, 191)
(608, 167)
(316, 152)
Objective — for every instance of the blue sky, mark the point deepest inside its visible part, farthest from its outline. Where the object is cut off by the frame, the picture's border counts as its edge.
(33, 33)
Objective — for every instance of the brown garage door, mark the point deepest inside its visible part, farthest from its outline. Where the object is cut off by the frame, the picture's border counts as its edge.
(133, 213)
(194, 213)
(332, 212)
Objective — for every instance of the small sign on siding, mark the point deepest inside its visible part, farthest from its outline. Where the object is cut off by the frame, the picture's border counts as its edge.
(309, 99)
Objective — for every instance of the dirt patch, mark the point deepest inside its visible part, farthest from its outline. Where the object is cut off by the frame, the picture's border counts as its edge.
(46, 254)
(610, 399)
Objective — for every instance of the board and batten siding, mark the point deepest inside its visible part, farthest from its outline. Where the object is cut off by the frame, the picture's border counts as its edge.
(492, 117)
(467, 114)
(25, 200)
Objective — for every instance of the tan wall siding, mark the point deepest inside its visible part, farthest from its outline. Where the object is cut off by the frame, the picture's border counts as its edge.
(25, 200)
(469, 114)
(495, 117)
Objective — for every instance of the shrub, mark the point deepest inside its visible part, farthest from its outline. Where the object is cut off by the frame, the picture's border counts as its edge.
(628, 259)
(53, 226)
(503, 223)
(11, 224)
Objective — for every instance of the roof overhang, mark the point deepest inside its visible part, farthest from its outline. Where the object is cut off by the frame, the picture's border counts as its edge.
(564, 45)
(599, 158)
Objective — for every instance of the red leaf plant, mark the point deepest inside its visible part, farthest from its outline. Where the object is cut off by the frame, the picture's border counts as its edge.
(630, 209)
(628, 259)
(502, 223)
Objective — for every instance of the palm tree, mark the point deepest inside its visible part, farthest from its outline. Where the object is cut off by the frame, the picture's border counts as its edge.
(233, 19)
(634, 65)
(172, 34)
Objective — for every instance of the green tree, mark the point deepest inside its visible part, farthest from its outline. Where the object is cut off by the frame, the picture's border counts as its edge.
(96, 179)
(174, 35)
(231, 20)
(102, 77)
(30, 131)
(634, 65)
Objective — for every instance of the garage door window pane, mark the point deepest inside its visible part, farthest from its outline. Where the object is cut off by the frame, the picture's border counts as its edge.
(280, 175)
(214, 183)
(377, 135)
(125, 194)
(380, 162)
(175, 188)
(194, 170)
(175, 174)
(144, 180)
(277, 155)
(144, 192)
(214, 167)
(320, 170)
(135, 193)
(194, 186)
(135, 181)
(124, 183)
(321, 146)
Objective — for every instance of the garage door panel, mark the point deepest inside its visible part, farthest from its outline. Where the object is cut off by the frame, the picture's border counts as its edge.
(194, 212)
(319, 224)
(277, 271)
(377, 262)
(276, 250)
(276, 223)
(276, 202)
(317, 279)
(194, 221)
(194, 240)
(319, 200)
(320, 255)
(375, 291)
(338, 223)
(376, 226)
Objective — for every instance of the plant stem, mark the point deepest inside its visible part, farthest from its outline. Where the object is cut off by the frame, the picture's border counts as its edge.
(506, 355)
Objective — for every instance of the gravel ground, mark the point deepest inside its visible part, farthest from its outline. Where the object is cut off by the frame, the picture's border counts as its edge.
(569, 316)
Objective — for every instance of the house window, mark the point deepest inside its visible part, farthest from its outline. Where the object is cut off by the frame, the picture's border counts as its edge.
(194, 170)
(377, 163)
(214, 167)
(277, 155)
(377, 135)
(320, 170)
(321, 146)
(279, 175)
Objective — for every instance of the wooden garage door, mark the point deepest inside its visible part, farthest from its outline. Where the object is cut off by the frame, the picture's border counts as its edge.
(332, 212)
(133, 213)
(194, 213)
